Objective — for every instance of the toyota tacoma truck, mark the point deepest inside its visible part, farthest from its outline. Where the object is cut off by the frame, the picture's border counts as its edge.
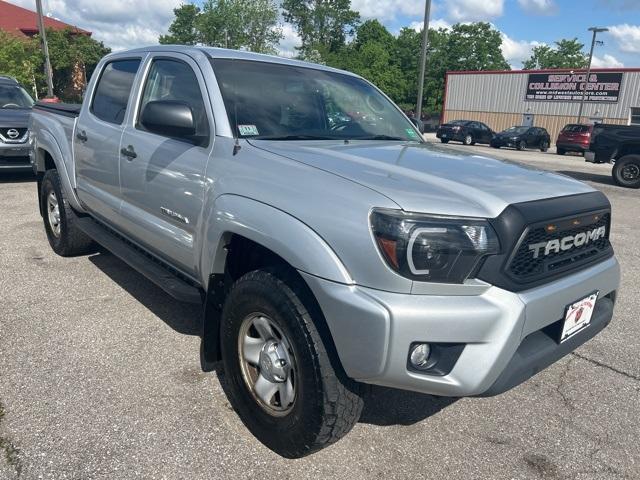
(330, 246)
(620, 145)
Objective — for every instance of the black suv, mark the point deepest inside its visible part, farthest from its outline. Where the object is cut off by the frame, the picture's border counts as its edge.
(523, 137)
(15, 108)
(468, 132)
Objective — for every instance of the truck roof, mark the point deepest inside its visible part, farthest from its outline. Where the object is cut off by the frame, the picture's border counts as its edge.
(214, 52)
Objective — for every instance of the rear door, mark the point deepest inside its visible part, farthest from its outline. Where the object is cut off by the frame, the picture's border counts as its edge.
(97, 139)
(162, 178)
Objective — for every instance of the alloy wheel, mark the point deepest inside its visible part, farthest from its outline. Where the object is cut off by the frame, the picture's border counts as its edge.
(53, 214)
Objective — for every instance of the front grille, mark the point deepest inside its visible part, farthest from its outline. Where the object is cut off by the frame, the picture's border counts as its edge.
(524, 267)
(4, 134)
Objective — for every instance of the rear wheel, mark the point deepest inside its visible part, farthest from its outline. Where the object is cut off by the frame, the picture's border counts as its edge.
(544, 146)
(561, 151)
(279, 375)
(468, 139)
(65, 238)
(626, 171)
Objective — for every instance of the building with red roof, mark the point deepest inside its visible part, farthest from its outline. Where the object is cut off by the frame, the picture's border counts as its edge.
(22, 22)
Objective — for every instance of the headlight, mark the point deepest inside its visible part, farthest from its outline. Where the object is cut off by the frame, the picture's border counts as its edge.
(430, 248)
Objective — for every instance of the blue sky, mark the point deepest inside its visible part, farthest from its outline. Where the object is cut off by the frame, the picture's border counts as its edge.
(524, 23)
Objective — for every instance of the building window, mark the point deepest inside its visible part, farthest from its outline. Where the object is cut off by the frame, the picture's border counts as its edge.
(635, 116)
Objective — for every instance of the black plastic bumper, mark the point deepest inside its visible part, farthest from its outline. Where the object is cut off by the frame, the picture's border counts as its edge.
(540, 349)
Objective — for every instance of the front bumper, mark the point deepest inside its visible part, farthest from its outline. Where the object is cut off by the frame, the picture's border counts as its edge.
(14, 156)
(373, 330)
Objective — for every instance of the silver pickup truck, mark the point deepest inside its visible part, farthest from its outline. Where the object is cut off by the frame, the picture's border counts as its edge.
(329, 244)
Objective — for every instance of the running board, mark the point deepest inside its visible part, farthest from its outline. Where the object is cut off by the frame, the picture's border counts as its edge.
(171, 283)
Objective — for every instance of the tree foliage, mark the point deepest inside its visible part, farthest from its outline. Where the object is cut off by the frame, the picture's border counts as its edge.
(323, 25)
(238, 24)
(183, 30)
(73, 58)
(566, 54)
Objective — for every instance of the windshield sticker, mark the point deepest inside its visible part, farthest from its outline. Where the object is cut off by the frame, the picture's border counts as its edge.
(412, 133)
(248, 130)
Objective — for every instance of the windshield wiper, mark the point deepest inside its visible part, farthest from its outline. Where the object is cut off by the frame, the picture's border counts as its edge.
(294, 137)
(381, 137)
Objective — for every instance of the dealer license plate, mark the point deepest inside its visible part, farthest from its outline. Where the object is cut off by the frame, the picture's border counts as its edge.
(578, 316)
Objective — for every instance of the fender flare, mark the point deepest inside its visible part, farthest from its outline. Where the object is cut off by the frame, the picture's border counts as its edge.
(47, 143)
(286, 236)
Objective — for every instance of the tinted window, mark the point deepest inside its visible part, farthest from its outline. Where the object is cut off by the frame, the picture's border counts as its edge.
(516, 130)
(112, 93)
(174, 80)
(14, 96)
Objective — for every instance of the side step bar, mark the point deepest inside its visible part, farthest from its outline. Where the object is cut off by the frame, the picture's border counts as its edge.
(154, 271)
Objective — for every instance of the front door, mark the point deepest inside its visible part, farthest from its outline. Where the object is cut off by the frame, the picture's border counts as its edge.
(162, 178)
(97, 138)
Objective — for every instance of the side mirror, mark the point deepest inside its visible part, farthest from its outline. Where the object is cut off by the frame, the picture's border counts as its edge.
(169, 118)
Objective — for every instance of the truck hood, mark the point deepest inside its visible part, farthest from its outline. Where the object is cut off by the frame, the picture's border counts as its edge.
(14, 117)
(427, 178)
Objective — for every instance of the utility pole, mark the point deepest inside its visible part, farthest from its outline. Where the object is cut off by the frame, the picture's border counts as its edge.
(595, 31)
(45, 49)
(423, 58)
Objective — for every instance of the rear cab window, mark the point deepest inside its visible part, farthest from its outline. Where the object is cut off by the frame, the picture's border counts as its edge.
(112, 91)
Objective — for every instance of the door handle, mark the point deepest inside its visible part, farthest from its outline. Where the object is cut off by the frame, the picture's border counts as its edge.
(129, 152)
(82, 136)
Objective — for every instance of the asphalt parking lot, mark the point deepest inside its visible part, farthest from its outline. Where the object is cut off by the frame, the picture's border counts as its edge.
(100, 378)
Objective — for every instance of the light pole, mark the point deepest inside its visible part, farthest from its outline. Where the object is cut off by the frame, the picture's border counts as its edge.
(423, 58)
(595, 31)
(45, 49)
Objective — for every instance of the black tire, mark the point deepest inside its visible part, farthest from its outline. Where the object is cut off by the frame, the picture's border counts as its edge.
(70, 241)
(327, 404)
(521, 145)
(494, 145)
(544, 146)
(626, 171)
(444, 140)
(561, 151)
(468, 139)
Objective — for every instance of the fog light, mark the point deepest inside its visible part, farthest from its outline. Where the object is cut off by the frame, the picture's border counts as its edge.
(419, 356)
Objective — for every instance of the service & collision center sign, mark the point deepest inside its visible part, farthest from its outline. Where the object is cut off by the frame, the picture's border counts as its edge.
(568, 87)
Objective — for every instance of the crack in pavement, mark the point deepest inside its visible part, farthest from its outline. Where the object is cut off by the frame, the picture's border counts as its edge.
(11, 453)
(608, 367)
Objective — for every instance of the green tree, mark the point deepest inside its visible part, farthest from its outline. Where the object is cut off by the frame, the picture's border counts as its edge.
(21, 59)
(237, 24)
(73, 59)
(183, 30)
(323, 25)
(475, 46)
(566, 54)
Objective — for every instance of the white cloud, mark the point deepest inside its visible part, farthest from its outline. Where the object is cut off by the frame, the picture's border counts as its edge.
(539, 7)
(433, 24)
(291, 40)
(387, 9)
(120, 24)
(627, 36)
(606, 61)
(474, 10)
(516, 51)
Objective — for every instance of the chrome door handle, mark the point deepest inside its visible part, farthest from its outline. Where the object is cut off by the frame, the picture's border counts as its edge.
(129, 152)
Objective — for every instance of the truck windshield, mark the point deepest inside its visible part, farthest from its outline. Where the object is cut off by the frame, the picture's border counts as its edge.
(14, 96)
(282, 102)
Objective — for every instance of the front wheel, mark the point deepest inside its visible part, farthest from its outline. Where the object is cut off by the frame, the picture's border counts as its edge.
(561, 151)
(444, 140)
(626, 171)
(544, 146)
(64, 236)
(521, 145)
(279, 374)
(468, 139)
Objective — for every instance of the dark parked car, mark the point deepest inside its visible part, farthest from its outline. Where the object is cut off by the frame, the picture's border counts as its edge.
(574, 138)
(468, 132)
(620, 145)
(15, 108)
(522, 137)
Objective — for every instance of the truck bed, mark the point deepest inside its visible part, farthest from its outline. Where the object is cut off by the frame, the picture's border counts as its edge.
(66, 109)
